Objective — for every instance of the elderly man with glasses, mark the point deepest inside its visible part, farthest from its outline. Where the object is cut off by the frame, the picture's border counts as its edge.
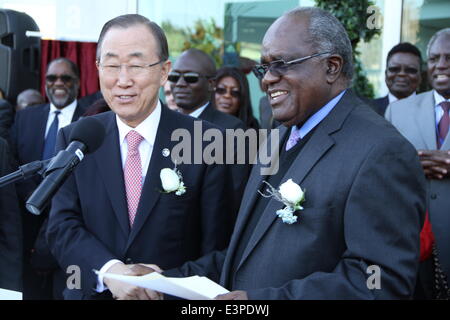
(341, 218)
(33, 138)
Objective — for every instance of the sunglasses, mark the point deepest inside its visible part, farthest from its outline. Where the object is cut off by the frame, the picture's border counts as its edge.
(189, 77)
(408, 70)
(51, 78)
(279, 67)
(233, 93)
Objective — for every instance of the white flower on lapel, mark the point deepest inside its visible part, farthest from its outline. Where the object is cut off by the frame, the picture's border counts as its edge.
(172, 180)
(291, 195)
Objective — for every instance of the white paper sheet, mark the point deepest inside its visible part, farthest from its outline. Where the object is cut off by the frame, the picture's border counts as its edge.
(190, 288)
(10, 295)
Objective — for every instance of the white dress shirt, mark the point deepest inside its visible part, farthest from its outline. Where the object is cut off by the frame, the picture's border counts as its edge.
(393, 98)
(147, 129)
(199, 111)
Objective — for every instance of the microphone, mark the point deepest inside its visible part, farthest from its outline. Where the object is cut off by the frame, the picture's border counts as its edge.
(86, 136)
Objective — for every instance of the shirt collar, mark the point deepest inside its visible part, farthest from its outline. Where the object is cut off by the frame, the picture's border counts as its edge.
(438, 98)
(317, 117)
(393, 98)
(199, 111)
(67, 110)
(147, 128)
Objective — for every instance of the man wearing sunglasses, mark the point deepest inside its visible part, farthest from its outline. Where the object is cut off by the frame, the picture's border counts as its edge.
(34, 137)
(357, 233)
(192, 83)
(402, 76)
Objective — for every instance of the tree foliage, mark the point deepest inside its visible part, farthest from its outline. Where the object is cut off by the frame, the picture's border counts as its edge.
(353, 14)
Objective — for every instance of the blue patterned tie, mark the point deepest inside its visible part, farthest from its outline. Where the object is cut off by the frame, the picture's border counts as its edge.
(50, 140)
(293, 139)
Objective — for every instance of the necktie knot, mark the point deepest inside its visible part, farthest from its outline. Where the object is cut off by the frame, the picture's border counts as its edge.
(445, 105)
(293, 139)
(133, 140)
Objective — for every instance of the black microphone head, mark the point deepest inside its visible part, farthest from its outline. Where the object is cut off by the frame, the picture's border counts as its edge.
(89, 131)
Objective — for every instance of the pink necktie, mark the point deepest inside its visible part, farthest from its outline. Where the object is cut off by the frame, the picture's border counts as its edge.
(133, 174)
(443, 123)
(293, 139)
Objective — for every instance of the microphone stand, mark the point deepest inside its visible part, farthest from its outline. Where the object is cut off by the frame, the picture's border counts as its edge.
(25, 172)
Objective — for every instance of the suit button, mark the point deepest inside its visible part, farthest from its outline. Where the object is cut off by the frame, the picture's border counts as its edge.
(433, 196)
(129, 261)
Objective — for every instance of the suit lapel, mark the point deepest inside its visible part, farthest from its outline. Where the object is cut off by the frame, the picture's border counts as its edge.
(40, 136)
(248, 200)
(152, 188)
(78, 112)
(311, 153)
(109, 162)
(426, 121)
(319, 143)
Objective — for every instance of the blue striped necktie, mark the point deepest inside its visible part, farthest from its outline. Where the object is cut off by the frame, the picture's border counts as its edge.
(50, 140)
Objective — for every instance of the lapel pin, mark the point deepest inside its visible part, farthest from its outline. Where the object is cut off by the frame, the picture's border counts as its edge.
(165, 152)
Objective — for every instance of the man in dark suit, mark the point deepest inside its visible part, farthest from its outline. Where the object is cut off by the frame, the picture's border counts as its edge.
(357, 236)
(10, 229)
(424, 120)
(33, 137)
(113, 211)
(192, 83)
(402, 75)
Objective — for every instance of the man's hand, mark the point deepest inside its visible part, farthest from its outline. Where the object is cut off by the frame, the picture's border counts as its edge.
(234, 295)
(124, 291)
(435, 163)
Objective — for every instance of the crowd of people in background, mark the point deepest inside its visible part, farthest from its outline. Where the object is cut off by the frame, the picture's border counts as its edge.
(375, 172)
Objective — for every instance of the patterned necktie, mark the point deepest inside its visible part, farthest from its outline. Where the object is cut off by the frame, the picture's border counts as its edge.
(50, 140)
(293, 139)
(443, 123)
(133, 174)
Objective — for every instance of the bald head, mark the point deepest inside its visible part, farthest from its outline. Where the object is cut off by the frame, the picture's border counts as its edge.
(28, 97)
(199, 60)
(190, 96)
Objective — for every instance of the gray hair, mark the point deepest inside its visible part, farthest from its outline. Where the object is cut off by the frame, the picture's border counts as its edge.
(442, 32)
(328, 35)
(130, 20)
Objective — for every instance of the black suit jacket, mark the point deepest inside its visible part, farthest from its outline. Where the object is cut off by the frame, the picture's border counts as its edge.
(10, 229)
(88, 223)
(364, 207)
(380, 105)
(6, 119)
(239, 172)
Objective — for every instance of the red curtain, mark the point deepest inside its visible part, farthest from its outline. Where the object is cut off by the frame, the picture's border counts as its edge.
(82, 53)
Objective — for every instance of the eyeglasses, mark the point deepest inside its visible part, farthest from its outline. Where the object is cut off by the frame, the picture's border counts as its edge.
(408, 70)
(189, 77)
(52, 78)
(279, 67)
(132, 70)
(233, 93)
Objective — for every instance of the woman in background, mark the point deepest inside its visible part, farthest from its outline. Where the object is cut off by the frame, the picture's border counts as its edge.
(232, 95)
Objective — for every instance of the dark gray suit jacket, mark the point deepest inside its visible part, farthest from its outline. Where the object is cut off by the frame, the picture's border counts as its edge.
(10, 229)
(364, 209)
(415, 118)
(89, 225)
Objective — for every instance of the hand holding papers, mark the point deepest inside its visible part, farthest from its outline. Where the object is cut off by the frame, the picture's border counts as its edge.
(190, 288)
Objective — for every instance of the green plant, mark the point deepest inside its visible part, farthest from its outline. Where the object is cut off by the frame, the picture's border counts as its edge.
(208, 37)
(354, 16)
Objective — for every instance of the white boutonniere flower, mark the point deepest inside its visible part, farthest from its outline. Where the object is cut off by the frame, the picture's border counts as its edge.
(172, 181)
(291, 195)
